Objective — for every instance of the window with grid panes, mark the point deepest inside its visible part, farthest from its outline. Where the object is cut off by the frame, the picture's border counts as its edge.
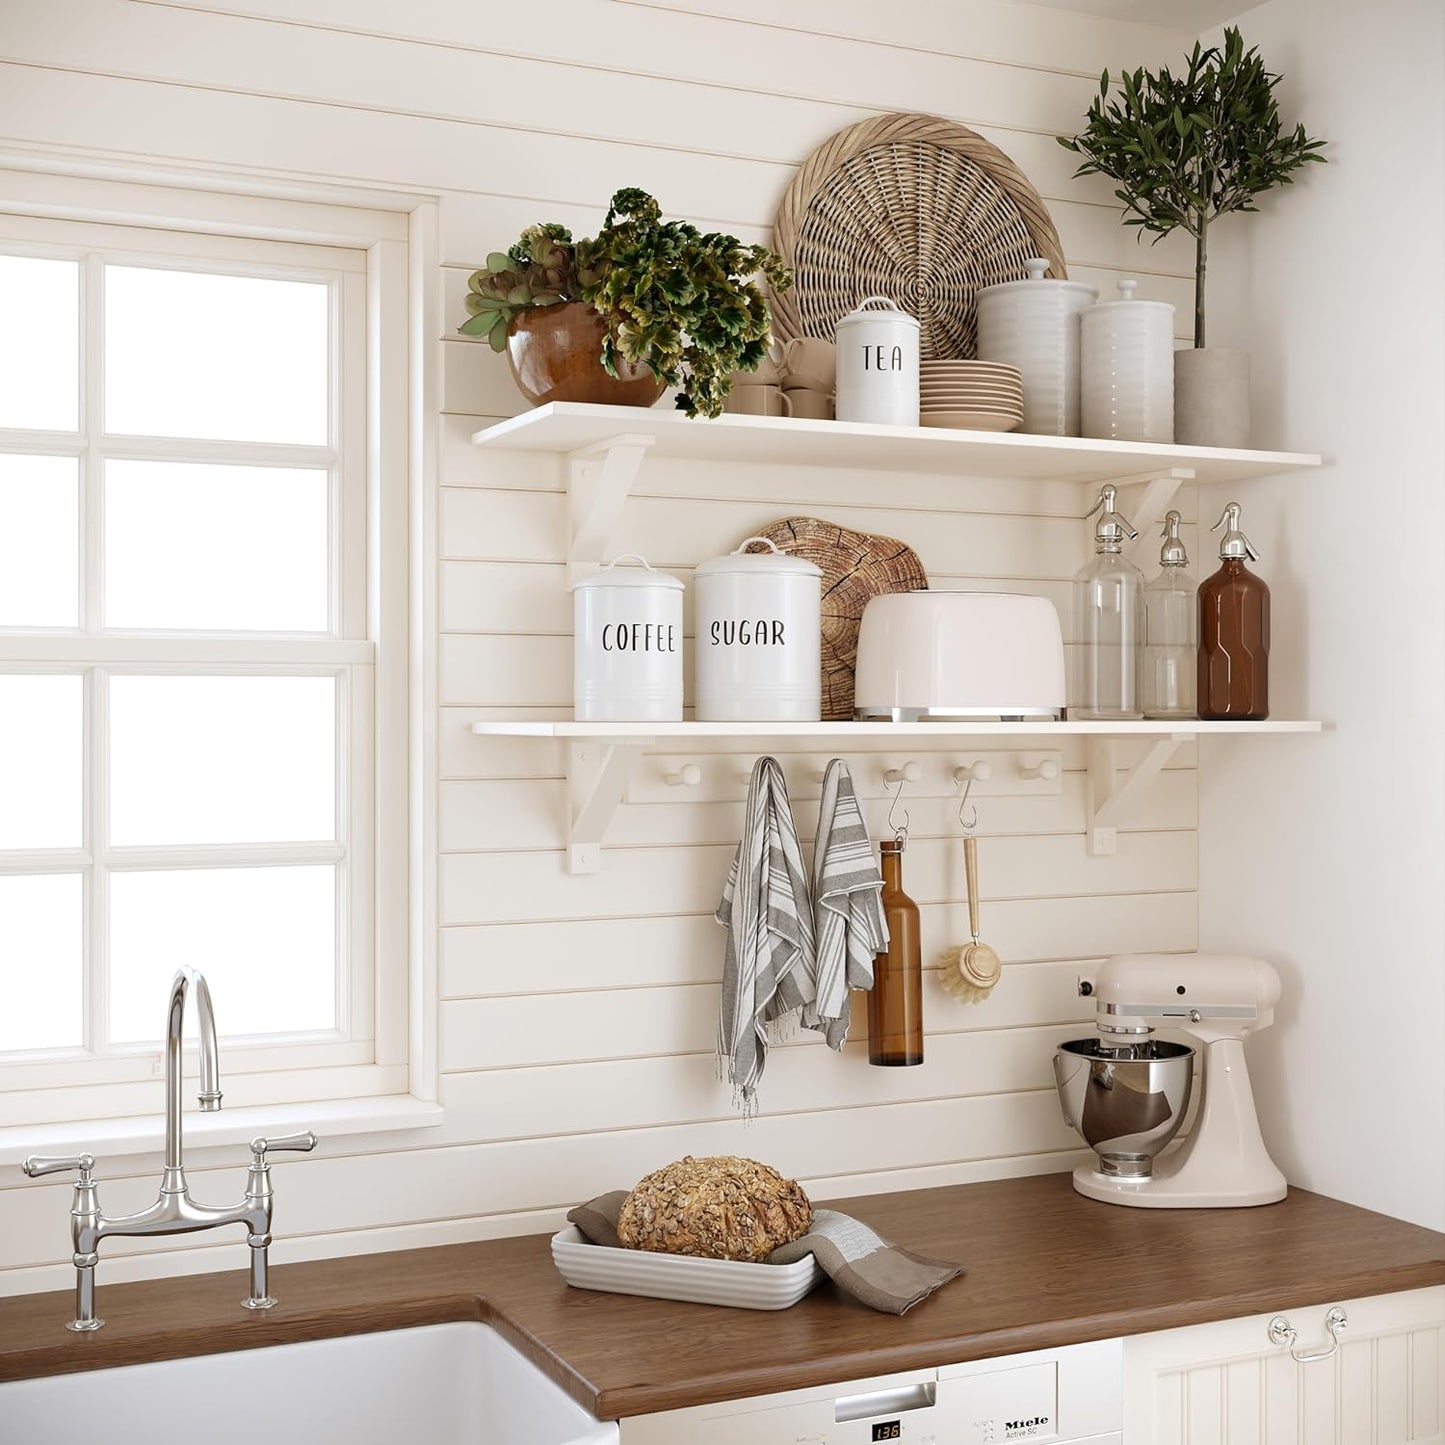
(186, 679)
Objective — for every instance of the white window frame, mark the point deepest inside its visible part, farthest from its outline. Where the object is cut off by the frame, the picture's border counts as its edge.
(386, 261)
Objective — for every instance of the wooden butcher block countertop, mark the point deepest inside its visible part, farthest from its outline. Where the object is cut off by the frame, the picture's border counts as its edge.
(1046, 1267)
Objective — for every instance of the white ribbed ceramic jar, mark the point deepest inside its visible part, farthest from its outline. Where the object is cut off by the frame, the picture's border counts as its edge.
(627, 645)
(1034, 325)
(1126, 369)
(758, 637)
(877, 354)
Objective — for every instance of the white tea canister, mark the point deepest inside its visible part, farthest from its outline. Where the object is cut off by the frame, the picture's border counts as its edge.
(1126, 368)
(877, 356)
(627, 645)
(1034, 325)
(758, 650)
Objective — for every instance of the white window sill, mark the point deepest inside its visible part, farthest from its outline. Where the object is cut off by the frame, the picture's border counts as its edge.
(109, 1139)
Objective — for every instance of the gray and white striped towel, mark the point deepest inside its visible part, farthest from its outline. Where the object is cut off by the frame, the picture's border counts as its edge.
(850, 926)
(768, 962)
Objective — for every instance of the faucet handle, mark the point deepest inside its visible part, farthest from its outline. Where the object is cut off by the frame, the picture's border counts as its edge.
(302, 1143)
(38, 1164)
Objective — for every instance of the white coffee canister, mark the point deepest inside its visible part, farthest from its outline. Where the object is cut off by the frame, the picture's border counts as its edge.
(758, 649)
(1034, 325)
(1126, 368)
(877, 365)
(627, 645)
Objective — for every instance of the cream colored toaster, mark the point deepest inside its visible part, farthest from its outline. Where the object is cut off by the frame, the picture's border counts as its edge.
(959, 655)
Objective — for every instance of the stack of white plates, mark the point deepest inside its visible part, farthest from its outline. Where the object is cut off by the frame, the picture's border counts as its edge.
(970, 395)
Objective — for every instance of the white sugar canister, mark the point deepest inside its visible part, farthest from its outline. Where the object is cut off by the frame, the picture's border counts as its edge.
(758, 650)
(1126, 368)
(1034, 325)
(627, 644)
(877, 353)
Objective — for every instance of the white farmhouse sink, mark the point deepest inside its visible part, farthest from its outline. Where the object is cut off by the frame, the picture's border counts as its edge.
(452, 1384)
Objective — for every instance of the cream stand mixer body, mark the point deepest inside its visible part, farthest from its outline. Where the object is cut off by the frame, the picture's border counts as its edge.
(1126, 1092)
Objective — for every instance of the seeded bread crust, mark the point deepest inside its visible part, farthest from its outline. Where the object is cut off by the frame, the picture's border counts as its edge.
(719, 1208)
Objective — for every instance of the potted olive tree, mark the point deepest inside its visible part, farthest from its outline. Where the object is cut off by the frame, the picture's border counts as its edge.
(644, 305)
(1186, 150)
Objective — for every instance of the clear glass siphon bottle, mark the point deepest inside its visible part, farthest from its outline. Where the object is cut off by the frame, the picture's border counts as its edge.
(1109, 622)
(1234, 632)
(895, 1002)
(1171, 626)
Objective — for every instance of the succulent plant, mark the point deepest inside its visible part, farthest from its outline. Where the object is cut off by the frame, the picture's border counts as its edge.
(539, 270)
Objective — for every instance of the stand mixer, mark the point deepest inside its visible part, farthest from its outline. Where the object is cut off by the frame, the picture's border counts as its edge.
(1126, 1092)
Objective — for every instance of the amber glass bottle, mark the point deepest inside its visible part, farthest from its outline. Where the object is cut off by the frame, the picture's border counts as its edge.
(1234, 633)
(895, 1003)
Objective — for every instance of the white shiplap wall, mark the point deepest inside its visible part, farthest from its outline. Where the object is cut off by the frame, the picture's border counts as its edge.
(578, 1013)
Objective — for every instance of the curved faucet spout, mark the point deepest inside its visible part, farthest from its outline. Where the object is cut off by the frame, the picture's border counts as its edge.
(173, 1181)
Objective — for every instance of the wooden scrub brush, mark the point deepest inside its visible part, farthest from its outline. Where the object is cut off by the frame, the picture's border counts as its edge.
(969, 973)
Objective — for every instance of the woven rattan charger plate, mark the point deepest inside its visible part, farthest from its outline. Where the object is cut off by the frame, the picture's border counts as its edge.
(915, 208)
(855, 567)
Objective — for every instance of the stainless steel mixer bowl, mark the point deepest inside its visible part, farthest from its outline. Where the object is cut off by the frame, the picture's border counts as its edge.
(1127, 1101)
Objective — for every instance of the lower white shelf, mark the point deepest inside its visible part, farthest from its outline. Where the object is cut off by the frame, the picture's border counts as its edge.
(602, 758)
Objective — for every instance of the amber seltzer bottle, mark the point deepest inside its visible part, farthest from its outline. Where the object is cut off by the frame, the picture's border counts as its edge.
(895, 1003)
(1234, 632)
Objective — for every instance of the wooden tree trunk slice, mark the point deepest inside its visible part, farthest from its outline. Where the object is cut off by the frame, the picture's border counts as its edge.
(855, 567)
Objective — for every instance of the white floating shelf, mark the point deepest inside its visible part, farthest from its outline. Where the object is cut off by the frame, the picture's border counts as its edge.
(566, 426)
(939, 731)
(602, 758)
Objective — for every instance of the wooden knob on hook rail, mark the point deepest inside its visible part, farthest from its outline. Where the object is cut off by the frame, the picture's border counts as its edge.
(1045, 771)
(973, 773)
(687, 776)
(908, 773)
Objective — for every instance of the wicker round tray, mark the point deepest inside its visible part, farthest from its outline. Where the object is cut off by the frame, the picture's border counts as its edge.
(914, 208)
(855, 566)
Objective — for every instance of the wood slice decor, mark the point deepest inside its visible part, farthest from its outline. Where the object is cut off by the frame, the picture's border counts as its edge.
(915, 208)
(855, 567)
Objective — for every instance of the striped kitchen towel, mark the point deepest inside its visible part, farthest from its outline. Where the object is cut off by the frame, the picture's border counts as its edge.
(768, 961)
(848, 917)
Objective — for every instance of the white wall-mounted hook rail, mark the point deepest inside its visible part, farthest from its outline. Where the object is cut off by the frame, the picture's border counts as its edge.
(1046, 770)
(908, 773)
(687, 776)
(979, 772)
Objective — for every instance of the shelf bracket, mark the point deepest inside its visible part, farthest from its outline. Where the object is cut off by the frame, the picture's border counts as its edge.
(598, 776)
(1108, 799)
(599, 480)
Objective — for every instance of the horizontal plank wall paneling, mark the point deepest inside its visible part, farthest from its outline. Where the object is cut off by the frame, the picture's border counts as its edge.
(578, 1015)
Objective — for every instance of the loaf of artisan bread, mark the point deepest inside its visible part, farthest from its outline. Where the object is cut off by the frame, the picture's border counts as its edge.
(720, 1208)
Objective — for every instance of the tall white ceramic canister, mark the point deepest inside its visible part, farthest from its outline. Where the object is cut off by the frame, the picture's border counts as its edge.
(877, 364)
(1126, 368)
(627, 644)
(758, 651)
(1034, 325)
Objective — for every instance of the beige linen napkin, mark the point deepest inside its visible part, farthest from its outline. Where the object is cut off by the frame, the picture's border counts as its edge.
(860, 1262)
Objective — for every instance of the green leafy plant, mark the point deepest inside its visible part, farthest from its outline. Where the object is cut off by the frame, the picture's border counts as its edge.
(540, 270)
(1188, 149)
(679, 301)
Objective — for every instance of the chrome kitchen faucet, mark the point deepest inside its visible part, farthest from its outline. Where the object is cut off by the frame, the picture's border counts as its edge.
(174, 1211)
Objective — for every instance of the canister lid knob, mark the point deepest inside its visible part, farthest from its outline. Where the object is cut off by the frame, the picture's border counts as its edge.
(1127, 288)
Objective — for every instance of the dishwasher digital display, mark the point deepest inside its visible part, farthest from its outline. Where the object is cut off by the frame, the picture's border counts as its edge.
(888, 1430)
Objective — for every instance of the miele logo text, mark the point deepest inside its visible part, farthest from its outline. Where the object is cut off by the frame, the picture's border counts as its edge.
(1022, 1429)
(882, 358)
(639, 637)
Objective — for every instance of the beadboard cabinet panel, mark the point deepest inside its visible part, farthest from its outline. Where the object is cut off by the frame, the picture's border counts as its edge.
(578, 1014)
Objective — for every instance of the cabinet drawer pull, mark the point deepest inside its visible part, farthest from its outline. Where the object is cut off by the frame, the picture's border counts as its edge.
(1281, 1332)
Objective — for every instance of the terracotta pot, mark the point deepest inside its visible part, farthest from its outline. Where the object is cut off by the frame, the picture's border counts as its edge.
(556, 355)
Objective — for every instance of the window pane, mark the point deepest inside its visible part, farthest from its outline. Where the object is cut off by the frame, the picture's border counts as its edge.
(222, 760)
(264, 937)
(39, 343)
(39, 540)
(42, 759)
(41, 998)
(230, 358)
(203, 547)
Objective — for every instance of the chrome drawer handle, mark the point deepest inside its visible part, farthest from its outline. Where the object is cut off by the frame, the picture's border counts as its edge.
(1281, 1332)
